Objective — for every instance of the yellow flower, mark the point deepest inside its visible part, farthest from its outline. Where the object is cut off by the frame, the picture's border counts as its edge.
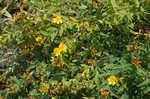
(25, 75)
(3, 41)
(112, 80)
(90, 61)
(25, 51)
(52, 59)
(45, 90)
(38, 38)
(62, 47)
(1, 37)
(57, 51)
(53, 98)
(57, 20)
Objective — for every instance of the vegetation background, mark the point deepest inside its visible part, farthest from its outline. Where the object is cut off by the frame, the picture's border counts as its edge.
(72, 49)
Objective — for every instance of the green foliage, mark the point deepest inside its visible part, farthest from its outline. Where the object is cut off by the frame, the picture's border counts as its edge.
(103, 39)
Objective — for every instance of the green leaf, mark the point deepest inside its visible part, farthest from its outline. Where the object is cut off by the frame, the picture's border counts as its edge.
(125, 96)
(113, 93)
(146, 82)
(147, 90)
(114, 4)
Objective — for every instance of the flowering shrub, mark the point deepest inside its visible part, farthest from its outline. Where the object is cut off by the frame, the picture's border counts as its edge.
(75, 49)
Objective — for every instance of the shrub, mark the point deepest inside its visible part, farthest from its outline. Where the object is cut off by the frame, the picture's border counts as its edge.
(76, 49)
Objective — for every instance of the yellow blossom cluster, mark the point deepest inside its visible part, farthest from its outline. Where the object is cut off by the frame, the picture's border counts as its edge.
(25, 51)
(62, 47)
(39, 38)
(57, 20)
(45, 90)
(112, 80)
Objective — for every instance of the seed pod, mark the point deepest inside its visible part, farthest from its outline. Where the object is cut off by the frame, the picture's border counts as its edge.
(60, 92)
(38, 28)
(90, 5)
(70, 86)
(11, 92)
(60, 84)
(31, 80)
(67, 92)
(44, 79)
(2, 97)
(75, 88)
(37, 88)
(97, 1)
(32, 23)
